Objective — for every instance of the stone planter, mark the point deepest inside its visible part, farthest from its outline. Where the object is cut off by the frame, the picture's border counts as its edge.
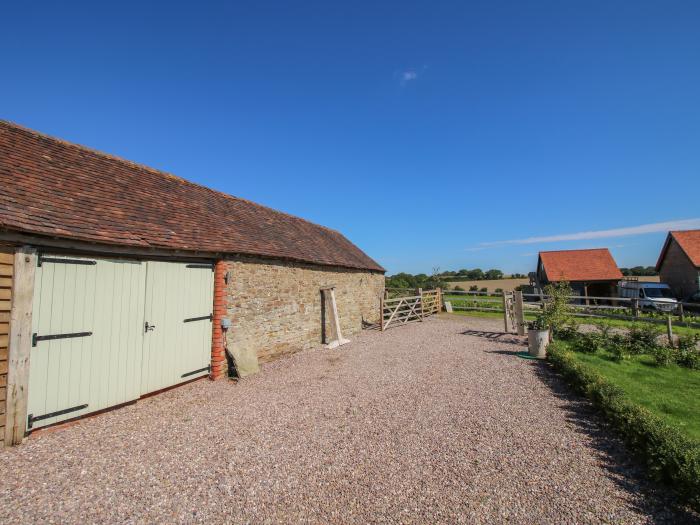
(537, 342)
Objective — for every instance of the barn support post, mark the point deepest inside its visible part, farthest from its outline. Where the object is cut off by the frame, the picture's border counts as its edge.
(20, 345)
(218, 351)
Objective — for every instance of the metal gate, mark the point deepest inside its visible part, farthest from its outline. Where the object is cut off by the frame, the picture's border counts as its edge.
(91, 348)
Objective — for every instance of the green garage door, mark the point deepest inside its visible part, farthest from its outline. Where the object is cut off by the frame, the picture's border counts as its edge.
(91, 349)
(177, 326)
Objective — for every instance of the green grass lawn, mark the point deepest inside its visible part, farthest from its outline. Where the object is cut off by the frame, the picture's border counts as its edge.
(671, 392)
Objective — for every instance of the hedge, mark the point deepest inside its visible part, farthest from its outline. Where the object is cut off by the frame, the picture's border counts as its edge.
(670, 456)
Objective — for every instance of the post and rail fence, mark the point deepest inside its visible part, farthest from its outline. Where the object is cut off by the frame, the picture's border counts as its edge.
(594, 307)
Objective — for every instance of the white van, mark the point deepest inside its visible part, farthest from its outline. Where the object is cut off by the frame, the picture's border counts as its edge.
(652, 296)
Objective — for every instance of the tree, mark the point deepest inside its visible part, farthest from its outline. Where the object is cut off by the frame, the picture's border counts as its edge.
(494, 274)
(476, 274)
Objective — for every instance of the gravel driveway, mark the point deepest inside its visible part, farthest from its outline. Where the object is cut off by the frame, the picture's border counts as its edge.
(431, 422)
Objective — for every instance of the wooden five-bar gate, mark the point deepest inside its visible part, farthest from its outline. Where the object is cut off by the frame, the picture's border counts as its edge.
(408, 309)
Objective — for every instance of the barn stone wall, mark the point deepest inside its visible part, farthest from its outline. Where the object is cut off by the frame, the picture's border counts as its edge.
(678, 272)
(275, 306)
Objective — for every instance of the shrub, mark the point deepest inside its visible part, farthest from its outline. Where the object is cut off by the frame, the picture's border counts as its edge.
(641, 339)
(567, 332)
(484, 289)
(670, 456)
(458, 288)
(664, 355)
(473, 288)
(588, 342)
(498, 290)
(556, 311)
(687, 354)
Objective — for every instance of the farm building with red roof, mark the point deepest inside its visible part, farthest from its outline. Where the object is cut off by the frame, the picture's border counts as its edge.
(118, 280)
(679, 262)
(590, 272)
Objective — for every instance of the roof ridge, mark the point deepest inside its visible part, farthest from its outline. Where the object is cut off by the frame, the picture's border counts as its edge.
(575, 250)
(153, 170)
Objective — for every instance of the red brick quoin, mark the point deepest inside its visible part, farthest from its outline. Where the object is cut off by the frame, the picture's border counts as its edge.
(218, 353)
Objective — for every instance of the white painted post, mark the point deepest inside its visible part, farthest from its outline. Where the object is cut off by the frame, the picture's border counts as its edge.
(338, 339)
(20, 345)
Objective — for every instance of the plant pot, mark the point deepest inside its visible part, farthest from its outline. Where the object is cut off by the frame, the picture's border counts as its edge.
(537, 342)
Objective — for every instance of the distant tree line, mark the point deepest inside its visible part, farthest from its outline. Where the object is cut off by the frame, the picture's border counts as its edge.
(638, 271)
(439, 279)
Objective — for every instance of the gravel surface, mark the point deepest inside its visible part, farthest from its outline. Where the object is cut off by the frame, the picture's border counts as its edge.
(431, 422)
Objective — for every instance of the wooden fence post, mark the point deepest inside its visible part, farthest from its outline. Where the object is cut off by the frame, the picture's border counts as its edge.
(681, 313)
(669, 328)
(507, 322)
(419, 292)
(635, 307)
(519, 312)
(381, 312)
(20, 345)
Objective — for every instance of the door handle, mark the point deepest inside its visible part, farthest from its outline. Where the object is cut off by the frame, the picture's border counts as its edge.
(149, 327)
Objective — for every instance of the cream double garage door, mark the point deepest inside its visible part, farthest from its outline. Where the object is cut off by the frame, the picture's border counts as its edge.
(107, 331)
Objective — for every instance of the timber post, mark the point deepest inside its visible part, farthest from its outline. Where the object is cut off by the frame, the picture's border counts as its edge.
(20, 345)
(519, 312)
(381, 312)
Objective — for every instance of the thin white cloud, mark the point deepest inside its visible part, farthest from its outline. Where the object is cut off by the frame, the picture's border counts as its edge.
(407, 76)
(684, 224)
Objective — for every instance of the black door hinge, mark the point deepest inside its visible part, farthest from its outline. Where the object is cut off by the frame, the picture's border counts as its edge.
(36, 338)
(32, 418)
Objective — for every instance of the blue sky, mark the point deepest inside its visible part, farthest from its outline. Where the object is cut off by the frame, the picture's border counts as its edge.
(427, 132)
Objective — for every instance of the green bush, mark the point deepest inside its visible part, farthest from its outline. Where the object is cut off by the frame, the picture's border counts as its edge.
(458, 288)
(669, 455)
(473, 288)
(687, 354)
(588, 342)
(664, 355)
(642, 339)
(484, 289)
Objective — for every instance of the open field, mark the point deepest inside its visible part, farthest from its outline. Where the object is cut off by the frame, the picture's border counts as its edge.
(669, 391)
(491, 284)
(433, 422)
(510, 284)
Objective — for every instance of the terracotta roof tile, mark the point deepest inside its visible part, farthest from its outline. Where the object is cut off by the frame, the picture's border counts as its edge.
(52, 187)
(689, 241)
(580, 265)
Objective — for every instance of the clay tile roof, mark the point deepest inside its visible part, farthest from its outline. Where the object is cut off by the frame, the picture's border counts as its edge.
(55, 188)
(689, 241)
(580, 265)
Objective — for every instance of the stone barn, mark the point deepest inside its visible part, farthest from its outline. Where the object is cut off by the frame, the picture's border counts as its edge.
(591, 272)
(679, 262)
(118, 280)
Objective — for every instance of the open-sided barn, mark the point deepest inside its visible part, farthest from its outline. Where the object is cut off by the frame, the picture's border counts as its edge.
(591, 272)
(118, 280)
